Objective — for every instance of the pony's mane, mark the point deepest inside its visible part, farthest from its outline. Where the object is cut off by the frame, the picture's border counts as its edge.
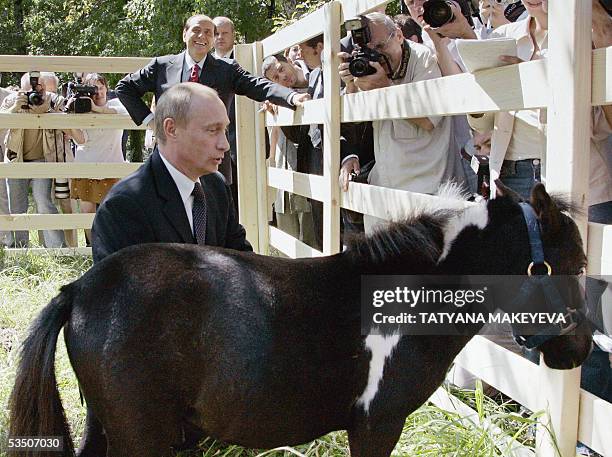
(565, 204)
(423, 232)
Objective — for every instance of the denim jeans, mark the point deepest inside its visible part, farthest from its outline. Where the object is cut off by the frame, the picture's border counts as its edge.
(521, 176)
(18, 204)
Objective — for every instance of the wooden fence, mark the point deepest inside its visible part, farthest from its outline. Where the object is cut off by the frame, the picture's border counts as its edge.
(571, 80)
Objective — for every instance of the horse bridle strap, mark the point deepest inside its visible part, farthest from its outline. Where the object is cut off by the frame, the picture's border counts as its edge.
(572, 316)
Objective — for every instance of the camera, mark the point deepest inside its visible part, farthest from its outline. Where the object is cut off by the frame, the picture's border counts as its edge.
(513, 9)
(437, 13)
(359, 64)
(81, 95)
(35, 95)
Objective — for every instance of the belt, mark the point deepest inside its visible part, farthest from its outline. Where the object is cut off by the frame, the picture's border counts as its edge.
(532, 161)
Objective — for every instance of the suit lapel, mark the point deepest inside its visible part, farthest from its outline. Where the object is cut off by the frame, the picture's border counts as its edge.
(207, 76)
(174, 70)
(173, 207)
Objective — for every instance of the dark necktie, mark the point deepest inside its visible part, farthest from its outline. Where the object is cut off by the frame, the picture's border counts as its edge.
(199, 213)
(195, 74)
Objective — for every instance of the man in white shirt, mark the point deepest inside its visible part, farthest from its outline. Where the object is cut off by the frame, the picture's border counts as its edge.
(159, 202)
(411, 154)
(225, 37)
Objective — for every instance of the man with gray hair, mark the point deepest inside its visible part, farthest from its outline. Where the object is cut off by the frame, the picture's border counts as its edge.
(178, 195)
(411, 154)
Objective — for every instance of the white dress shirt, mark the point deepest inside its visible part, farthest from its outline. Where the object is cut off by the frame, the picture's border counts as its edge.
(184, 185)
(188, 65)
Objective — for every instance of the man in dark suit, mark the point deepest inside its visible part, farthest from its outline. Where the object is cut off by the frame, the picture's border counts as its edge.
(197, 64)
(160, 202)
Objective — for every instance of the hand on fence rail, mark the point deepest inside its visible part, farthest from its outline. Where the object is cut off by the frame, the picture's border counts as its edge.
(349, 167)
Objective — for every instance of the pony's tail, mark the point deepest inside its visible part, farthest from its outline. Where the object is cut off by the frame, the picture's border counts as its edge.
(35, 406)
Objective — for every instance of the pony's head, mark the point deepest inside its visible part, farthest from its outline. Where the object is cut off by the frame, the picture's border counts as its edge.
(554, 248)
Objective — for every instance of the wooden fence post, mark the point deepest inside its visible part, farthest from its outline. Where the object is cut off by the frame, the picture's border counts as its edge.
(331, 127)
(567, 170)
(246, 152)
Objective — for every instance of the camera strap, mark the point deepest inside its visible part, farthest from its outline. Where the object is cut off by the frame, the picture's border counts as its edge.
(403, 68)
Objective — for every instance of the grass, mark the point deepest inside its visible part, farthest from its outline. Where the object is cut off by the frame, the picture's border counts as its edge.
(28, 282)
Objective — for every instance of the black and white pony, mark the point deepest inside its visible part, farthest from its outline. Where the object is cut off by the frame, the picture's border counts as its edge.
(173, 342)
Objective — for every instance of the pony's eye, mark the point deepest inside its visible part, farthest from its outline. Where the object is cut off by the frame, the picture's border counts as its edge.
(582, 271)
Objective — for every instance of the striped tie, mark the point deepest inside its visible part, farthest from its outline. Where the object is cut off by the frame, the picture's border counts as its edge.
(199, 213)
(195, 74)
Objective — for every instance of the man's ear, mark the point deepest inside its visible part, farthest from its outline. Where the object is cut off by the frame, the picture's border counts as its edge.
(545, 208)
(320, 48)
(169, 128)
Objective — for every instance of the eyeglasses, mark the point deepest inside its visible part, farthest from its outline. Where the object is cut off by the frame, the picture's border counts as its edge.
(381, 46)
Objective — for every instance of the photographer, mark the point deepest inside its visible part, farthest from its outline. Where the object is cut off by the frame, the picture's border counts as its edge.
(4, 206)
(35, 145)
(411, 154)
(99, 146)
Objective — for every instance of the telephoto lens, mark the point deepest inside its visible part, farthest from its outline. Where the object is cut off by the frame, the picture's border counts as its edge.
(62, 189)
(437, 12)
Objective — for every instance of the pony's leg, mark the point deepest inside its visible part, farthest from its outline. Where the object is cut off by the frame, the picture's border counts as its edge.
(371, 438)
(142, 427)
(93, 442)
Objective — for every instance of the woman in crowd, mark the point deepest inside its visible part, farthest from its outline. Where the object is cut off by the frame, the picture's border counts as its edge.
(100, 146)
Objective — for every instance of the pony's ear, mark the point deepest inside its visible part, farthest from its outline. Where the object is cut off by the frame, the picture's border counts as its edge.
(503, 191)
(545, 208)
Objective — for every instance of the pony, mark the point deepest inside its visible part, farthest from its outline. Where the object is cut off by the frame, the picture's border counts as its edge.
(172, 342)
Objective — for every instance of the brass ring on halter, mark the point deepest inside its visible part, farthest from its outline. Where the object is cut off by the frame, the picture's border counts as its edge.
(548, 268)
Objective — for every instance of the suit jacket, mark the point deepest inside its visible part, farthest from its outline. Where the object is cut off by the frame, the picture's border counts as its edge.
(223, 75)
(146, 207)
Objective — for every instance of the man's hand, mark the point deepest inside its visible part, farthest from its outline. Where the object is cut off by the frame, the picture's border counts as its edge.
(345, 74)
(375, 81)
(300, 99)
(349, 166)
(493, 13)
(459, 27)
(20, 100)
(269, 107)
(437, 39)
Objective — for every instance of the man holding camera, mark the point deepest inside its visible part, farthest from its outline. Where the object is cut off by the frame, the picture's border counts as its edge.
(35, 145)
(411, 154)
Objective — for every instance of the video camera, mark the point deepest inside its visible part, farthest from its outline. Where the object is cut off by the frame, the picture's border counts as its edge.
(437, 13)
(36, 94)
(81, 95)
(359, 64)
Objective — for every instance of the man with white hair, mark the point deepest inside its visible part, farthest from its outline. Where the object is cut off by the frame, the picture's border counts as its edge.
(178, 195)
(411, 154)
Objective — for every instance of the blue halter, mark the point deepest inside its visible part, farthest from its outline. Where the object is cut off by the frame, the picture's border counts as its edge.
(572, 317)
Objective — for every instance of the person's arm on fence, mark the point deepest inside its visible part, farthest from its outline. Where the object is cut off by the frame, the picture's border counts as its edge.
(260, 89)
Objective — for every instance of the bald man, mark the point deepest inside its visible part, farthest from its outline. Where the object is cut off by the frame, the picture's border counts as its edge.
(159, 202)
